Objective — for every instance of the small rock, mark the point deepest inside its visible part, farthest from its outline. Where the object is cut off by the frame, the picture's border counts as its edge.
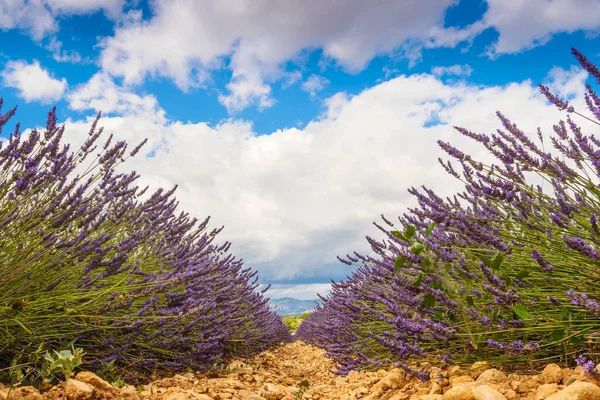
(128, 393)
(551, 374)
(578, 391)
(458, 380)
(95, 381)
(419, 394)
(77, 390)
(435, 388)
(235, 364)
(510, 394)
(484, 392)
(399, 396)
(393, 380)
(546, 391)
(478, 367)
(570, 380)
(431, 397)
(21, 393)
(458, 393)
(491, 376)
(186, 395)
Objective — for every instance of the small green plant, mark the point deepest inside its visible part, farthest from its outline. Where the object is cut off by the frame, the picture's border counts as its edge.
(302, 387)
(109, 373)
(64, 361)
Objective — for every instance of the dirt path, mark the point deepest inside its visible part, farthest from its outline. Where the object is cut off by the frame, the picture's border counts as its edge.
(279, 374)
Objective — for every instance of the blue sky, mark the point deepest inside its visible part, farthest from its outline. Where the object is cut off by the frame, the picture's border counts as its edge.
(295, 123)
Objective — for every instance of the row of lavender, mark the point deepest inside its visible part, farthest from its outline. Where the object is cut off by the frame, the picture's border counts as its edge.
(503, 271)
(85, 255)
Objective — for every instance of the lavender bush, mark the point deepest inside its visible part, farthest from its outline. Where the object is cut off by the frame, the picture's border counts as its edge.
(505, 271)
(86, 256)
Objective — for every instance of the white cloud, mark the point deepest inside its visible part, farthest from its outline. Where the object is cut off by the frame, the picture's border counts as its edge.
(291, 78)
(314, 84)
(293, 200)
(185, 40)
(33, 82)
(301, 291)
(334, 105)
(61, 55)
(524, 24)
(39, 17)
(100, 93)
(260, 36)
(456, 69)
(567, 83)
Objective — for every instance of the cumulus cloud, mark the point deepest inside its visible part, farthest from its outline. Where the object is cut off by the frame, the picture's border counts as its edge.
(100, 93)
(40, 17)
(61, 55)
(314, 84)
(262, 36)
(33, 82)
(259, 37)
(186, 40)
(568, 83)
(302, 291)
(293, 200)
(522, 25)
(456, 69)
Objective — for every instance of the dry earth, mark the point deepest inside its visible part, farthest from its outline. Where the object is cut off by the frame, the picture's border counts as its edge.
(277, 375)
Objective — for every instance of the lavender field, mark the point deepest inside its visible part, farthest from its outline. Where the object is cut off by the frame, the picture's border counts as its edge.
(188, 190)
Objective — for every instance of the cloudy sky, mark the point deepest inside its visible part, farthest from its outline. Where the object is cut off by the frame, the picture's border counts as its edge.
(294, 123)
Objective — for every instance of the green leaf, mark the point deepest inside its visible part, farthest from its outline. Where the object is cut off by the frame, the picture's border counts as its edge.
(506, 279)
(495, 314)
(419, 280)
(565, 314)
(558, 334)
(522, 274)
(487, 261)
(497, 260)
(467, 283)
(304, 385)
(436, 285)
(430, 229)
(399, 235)
(428, 300)
(521, 311)
(417, 248)
(470, 301)
(399, 263)
(447, 266)
(410, 231)
(452, 317)
(577, 339)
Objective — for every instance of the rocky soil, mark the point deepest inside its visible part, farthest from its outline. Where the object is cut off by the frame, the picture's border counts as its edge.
(279, 374)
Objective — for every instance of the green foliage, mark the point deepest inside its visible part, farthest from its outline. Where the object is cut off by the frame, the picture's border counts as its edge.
(64, 361)
(109, 373)
(294, 321)
(302, 387)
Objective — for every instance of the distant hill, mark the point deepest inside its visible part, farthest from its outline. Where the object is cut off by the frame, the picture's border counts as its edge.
(290, 306)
